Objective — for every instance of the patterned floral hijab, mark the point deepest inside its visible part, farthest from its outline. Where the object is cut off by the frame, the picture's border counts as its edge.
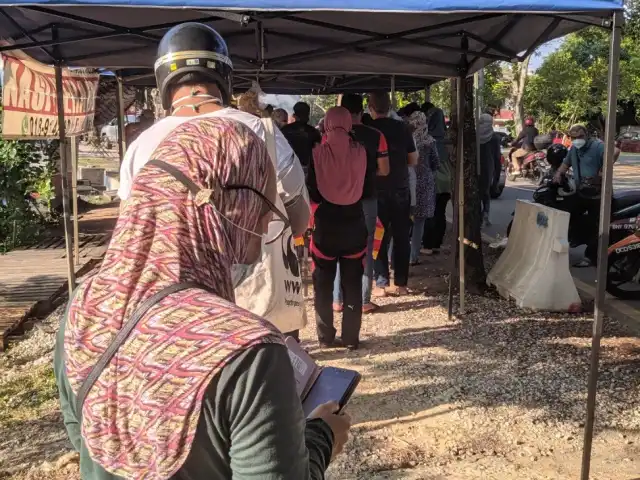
(140, 417)
(417, 121)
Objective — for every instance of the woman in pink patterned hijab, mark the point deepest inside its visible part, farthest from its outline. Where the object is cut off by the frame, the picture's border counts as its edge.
(198, 387)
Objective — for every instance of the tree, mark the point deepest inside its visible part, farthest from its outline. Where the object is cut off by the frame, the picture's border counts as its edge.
(475, 274)
(520, 72)
(571, 84)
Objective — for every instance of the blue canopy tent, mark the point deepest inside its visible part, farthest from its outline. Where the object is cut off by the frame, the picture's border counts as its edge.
(329, 38)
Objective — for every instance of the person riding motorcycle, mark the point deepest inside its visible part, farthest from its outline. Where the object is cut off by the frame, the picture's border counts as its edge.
(525, 142)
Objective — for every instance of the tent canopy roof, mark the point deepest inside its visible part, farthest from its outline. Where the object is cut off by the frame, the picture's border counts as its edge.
(439, 38)
(302, 83)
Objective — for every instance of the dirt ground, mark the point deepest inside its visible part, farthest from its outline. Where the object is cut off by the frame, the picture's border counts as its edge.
(497, 394)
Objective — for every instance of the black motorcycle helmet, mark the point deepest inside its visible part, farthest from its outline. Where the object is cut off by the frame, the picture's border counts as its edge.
(556, 153)
(192, 48)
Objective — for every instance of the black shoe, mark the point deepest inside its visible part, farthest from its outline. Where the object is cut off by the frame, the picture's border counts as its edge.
(335, 343)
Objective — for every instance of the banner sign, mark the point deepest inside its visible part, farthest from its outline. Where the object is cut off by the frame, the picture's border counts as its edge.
(29, 100)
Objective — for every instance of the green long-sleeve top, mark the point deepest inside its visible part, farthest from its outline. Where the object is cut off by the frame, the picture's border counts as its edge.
(251, 426)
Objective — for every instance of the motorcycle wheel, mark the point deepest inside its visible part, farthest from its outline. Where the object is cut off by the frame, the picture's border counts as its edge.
(623, 268)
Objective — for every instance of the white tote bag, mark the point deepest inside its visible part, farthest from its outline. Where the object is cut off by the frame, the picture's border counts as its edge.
(272, 288)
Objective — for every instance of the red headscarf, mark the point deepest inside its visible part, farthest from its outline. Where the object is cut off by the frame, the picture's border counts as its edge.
(139, 419)
(340, 163)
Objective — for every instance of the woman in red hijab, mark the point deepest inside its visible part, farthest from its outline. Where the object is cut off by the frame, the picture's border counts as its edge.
(335, 181)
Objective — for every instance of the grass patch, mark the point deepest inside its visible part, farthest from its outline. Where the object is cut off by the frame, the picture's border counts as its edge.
(28, 396)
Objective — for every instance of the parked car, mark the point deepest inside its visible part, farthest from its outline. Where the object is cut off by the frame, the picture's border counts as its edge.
(498, 188)
(109, 133)
(629, 141)
(505, 138)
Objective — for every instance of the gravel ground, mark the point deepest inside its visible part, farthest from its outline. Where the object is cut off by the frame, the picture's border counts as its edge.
(497, 394)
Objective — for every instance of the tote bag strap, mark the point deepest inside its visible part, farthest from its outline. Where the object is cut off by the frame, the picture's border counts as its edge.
(270, 139)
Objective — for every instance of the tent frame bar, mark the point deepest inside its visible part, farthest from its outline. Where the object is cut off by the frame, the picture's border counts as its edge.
(64, 167)
(244, 18)
(603, 236)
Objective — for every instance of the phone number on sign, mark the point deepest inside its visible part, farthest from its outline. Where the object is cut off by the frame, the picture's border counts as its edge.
(48, 127)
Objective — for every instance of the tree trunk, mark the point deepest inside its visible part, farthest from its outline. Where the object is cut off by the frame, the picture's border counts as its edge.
(519, 81)
(475, 274)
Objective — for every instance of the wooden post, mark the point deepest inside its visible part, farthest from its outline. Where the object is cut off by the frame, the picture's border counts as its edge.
(64, 167)
(122, 142)
(74, 199)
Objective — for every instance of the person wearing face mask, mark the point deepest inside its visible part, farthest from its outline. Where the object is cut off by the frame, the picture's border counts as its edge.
(193, 74)
(201, 88)
(160, 374)
(586, 159)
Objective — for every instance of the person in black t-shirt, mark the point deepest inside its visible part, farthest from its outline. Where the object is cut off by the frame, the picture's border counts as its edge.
(377, 165)
(394, 198)
(301, 136)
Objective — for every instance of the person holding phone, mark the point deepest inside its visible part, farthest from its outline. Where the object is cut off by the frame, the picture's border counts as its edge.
(160, 374)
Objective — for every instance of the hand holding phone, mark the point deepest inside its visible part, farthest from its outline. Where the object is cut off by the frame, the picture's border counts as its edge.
(340, 424)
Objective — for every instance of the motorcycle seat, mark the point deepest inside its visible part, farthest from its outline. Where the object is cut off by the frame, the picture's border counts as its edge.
(624, 199)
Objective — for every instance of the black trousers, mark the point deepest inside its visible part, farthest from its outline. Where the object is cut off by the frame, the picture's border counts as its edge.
(394, 210)
(437, 225)
(339, 236)
(588, 224)
(324, 274)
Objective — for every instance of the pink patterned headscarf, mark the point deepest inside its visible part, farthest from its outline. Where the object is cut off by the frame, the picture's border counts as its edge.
(140, 417)
(340, 163)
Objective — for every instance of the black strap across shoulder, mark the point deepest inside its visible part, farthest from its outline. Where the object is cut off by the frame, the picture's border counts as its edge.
(122, 336)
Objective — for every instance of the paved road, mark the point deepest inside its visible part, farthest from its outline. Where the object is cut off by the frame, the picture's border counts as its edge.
(626, 176)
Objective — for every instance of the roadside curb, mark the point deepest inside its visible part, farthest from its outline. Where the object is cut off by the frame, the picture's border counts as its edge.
(614, 308)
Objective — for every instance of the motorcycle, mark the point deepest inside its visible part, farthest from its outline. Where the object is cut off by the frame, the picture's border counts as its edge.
(625, 210)
(534, 166)
(623, 272)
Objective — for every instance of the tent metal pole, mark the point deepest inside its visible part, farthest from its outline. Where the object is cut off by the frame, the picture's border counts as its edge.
(427, 93)
(122, 142)
(393, 92)
(74, 199)
(64, 166)
(455, 224)
(603, 235)
(460, 172)
(478, 84)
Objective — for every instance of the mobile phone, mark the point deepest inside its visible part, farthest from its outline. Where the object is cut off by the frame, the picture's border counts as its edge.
(332, 385)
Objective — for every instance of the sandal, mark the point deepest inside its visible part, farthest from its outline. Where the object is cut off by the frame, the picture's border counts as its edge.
(413, 264)
(379, 292)
(397, 291)
(369, 308)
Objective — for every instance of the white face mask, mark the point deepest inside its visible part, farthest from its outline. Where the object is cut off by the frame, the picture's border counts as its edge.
(578, 142)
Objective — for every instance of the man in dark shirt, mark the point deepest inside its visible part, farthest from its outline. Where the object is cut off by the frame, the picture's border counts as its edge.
(394, 198)
(301, 136)
(377, 165)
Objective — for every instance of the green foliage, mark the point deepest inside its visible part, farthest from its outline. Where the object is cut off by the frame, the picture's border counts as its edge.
(497, 87)
(25, 191)
(571, 84)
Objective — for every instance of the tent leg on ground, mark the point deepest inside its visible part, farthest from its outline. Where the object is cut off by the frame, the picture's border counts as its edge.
(603, 235)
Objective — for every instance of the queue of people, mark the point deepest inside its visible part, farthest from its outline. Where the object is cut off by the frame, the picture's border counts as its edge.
(160, 373)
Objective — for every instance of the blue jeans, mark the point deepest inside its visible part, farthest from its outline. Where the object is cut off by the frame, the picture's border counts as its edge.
(416, 238)
(370, 209)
